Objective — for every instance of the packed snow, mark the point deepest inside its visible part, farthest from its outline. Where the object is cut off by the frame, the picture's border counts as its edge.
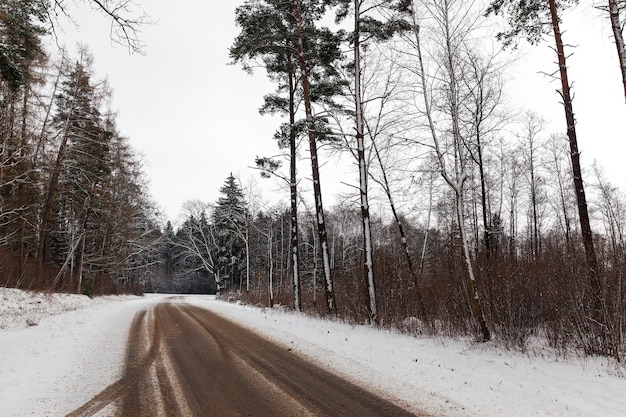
(58, 351)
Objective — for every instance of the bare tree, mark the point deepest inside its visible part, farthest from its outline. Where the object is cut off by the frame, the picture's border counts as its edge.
(560, 170)
(534, 19)
(612, 208)
(126, 20)
(386, 122)
(484, 84)
(530, 146)
(452, 23)
(199, 235)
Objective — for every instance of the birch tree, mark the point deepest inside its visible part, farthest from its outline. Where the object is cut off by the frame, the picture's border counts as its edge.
(452, 24)
(368, 28)
(363, 169)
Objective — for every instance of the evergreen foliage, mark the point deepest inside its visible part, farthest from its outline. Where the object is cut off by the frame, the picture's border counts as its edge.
(230, 220)
(74, 211)
(21, 30)
(75, 215)
(529, 19)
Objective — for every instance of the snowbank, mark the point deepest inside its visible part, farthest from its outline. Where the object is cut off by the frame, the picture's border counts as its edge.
(76, 350)
(54, 367)
(445, 377)
(27, 308)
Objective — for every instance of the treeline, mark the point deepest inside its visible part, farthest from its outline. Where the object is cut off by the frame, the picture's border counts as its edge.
(501, 235)
(74, 213)
(486, 227)
(531, 276)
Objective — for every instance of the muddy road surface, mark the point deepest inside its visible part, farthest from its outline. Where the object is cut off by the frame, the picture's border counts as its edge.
(183, 360)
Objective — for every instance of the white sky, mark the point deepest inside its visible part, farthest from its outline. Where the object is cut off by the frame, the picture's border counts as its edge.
(195, 118)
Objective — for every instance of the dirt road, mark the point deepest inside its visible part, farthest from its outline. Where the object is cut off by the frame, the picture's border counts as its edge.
(183, 360)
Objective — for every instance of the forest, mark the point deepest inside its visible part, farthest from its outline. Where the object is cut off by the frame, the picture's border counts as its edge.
(486, 224)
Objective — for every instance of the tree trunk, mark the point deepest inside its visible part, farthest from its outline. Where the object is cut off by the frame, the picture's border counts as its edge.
(426, 231)
(606, 342)
(46, 217)
(24, 197)
(270, 260)
(474, 298)
(247, 243)
(387, 189)
(579, 188)
(360, 141)
(457, 184)
(44, 228)
(483, 197)
(293, 188)
(317, 189)
(80, 257)
(618, 34)
(533, 196)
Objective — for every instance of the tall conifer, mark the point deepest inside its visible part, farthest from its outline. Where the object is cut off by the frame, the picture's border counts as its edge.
(275, 31)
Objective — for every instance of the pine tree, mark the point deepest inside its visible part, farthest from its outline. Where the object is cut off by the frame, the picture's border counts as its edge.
(533, 19)
(283, 35)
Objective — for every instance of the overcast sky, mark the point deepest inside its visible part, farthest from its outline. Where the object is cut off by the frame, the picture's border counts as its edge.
(195, 118)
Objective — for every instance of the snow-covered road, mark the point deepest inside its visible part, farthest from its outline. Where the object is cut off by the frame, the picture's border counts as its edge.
(54, 367)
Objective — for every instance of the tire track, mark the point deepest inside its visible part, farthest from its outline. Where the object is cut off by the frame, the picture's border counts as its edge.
(137, 362)
(183, 360)
(319, 391)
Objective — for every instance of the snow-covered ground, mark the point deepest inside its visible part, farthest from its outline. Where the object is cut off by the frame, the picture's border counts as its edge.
(77, 349)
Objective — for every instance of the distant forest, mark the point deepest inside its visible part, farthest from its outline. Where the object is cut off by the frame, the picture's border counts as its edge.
(486, 225)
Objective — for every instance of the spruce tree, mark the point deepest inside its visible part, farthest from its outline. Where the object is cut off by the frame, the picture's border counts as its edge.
(230, 222)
